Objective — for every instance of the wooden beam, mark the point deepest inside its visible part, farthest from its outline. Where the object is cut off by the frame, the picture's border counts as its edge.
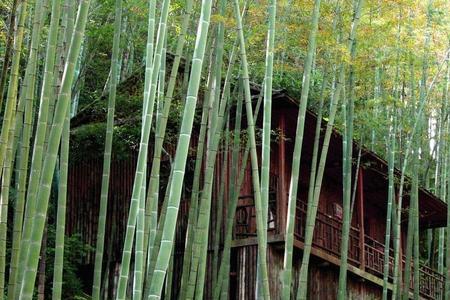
(251, 241)
(362, 257)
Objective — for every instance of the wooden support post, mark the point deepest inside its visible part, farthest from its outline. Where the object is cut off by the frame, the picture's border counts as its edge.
(282, 193)
(361, 219)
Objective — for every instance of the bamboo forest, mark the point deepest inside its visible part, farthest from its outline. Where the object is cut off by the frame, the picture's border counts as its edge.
(224, 149)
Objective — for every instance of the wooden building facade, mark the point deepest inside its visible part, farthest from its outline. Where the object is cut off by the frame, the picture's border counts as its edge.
(366, 246)
(368, 226)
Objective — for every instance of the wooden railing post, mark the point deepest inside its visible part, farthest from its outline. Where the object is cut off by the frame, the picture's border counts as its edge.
(362, 255)
(281, 197)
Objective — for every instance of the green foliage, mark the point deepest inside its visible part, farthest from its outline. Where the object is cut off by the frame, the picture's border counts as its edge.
(75, 252)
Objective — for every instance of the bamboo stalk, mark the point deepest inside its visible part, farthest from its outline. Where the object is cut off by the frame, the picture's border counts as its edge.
(151, 202)
(295, 171)
(61, 211)
(149, 100)
(181, 155)
(261, 234)
(348, 158)
(27, 286)
(9, 48)
(100, 243)
(11, 97)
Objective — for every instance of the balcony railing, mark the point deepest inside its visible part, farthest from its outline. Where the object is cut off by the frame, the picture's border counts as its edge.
(327, 234)
(327, 238)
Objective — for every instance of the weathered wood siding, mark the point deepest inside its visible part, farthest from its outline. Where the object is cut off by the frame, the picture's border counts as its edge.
(323, 277)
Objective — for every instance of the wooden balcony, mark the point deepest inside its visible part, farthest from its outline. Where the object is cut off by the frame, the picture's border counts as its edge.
(365, 253)
(431, 282)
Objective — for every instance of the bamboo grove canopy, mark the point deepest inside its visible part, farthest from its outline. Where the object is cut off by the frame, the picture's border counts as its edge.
(375, 72)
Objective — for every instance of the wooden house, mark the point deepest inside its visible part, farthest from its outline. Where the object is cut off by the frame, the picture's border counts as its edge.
(368, 226)
(366, 246)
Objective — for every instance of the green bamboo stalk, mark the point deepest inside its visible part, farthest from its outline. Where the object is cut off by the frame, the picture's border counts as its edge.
(96, 285)
(141, 252)
(416, 253)
(169, 279)
(27, 93)
(8, 49)
(312, 209)
(409, 246)
(4, 199)
(232, 182)
(267, 120)
(225, 284)
(27, 285)
(216, 120)
(218, 57)
(209, 94)
(265, 155)
(148, 70)
(346, 179)
(391, 192)
(153, 205)
(148, 74)
(64, 36)
(261, 235)
(11, 98)
(440, 190)
(192, 219)
(447, 242)
(396, 230)
(27, 99)
(220, 206)
(181, 154)
(64, 156)
(419, 113)
(412, 229)
(149, 100)
(61, 212)
(139, 244)
(197, 261)
(149, 54)
(390, 213)
(26, 103)
(295, 173)
(159, 230)
(200, 283)
(313, 172)
(442, 178)
(199, 250)
(40, 146)
(221, 288)
(348, 157)
(193, 207)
